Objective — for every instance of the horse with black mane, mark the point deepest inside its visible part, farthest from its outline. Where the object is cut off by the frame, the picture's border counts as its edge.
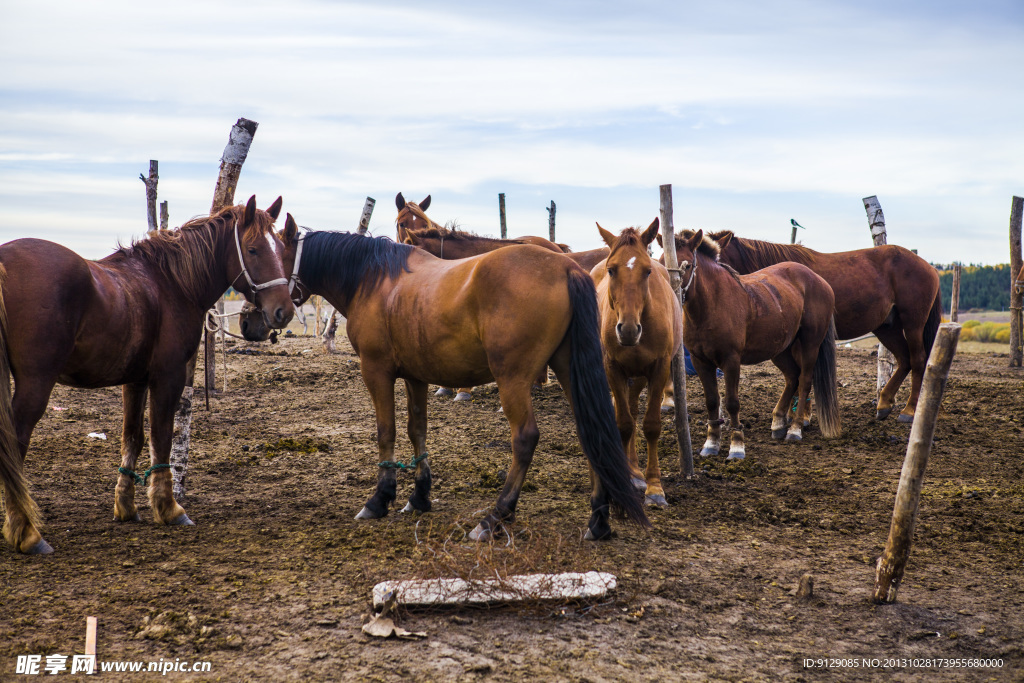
(134, 319)
(501, 316)
(886, 290)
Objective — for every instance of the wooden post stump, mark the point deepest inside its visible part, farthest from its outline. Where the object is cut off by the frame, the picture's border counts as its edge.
(891, 565)
(501, 215)
(551, 221)
(364, 219)
(151, 183)
(682, 418)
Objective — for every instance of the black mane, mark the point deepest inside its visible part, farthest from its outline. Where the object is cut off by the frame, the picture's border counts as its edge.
(347, 262)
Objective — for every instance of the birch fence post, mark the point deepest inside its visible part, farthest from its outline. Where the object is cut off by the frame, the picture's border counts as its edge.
(954, 303)
(501, 215)
(164, 215)
(231, 162)
(364, 219)
(876, 221)
(151, 183)
(682, 418)
(1016, 298)
(893, 562)
(551, 221)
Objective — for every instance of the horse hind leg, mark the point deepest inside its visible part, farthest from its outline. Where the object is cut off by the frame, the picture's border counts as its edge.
(892, 338)
(417, 396)
(163, 403)
(132, 436)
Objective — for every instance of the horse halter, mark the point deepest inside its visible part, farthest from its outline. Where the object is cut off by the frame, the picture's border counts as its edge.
(293, 281)
(245, 271)
(684, 290)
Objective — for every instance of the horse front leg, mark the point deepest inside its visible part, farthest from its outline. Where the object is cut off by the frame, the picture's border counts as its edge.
(515, 400)
(21, 515)
(163, 402)
(737, 447)
(132, 437)
(709, 381)
(417, 396)
(652, 432)
(381, 385)
(625, 419)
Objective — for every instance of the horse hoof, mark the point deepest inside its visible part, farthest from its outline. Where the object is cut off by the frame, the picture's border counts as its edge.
(794, 437)
(463, 396)
(657, 500)
(182, 520)
(639, 483)
(665, 410)
(40, 548)
(408, 508)
(366, 514)
(480, 533)
(444, 392)
(882, 413)
(905, 419)
(707, 452)
(779, 433)
(736, 455)
(136, 518)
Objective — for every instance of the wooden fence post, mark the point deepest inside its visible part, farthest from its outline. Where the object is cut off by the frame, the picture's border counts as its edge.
(551, 221)
(231, 162)
(164, 215)
(151, 184)
(1016, 298)
(364, 219)
(501, 215)
(954, 304)
(893, 562)
(668, 237)
(876, 221)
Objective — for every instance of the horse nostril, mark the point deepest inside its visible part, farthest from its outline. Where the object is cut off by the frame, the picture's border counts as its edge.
(618, 328)
(279, 315)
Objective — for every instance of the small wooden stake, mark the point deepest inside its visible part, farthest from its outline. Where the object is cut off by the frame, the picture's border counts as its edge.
(892, 563)
(164, 216)
(668, 236)
(501, 215)
(954, 304)
(90, 636)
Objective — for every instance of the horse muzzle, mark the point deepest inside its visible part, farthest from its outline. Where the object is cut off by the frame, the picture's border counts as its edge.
(628, 334)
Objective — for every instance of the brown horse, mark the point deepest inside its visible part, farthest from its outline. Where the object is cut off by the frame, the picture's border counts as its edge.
(782, 313)
(887, 290)
(641, 327)
(501, 316)
(133, 318)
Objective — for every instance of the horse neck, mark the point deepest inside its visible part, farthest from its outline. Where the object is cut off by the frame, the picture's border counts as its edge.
(711, 285)
(747, 255)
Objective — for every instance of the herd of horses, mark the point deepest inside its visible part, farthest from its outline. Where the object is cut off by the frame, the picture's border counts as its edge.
(445, 307)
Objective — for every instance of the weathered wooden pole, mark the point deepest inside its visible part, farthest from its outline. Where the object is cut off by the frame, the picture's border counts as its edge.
(876, 221)
(893, 562)
(551, 221)
(1016, 297)
(231, 162)
(151, 183)
(364, 219)
(954, 304)
(164, 216)
(668, 236)
(501, 215)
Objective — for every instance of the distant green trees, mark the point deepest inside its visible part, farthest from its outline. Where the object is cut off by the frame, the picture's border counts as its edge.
(986, 287)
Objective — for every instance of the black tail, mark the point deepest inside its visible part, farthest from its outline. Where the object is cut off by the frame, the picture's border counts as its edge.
(931, 326)
(823, 381)
(591, 401)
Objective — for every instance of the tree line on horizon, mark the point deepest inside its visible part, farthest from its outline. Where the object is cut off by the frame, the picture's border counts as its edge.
(985, 287)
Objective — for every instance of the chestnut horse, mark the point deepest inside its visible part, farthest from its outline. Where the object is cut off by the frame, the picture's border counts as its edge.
(641, 327)
(134, 319)
(887, 290)
(782, 313)
(501, 316)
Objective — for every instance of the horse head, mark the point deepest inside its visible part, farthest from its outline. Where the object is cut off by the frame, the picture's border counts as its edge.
(411, 216)
(257, 259)
(629, 270)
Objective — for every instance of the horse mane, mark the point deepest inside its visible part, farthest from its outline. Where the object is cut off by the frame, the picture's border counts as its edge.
(709, 248)
(184, 255)
(757, 254)
(351, 262)
(454, 234)
(629, 237)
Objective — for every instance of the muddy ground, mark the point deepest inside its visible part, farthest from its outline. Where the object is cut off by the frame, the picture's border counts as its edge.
(274, 580)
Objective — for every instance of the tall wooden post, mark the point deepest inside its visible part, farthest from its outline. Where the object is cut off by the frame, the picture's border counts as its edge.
(876, 221)
(551, 221)
(954, 304)
(892, 563)
(364, 219)
(1016, 298)
(668, 236)
(231, 162)
(501, 215)
(151, 183)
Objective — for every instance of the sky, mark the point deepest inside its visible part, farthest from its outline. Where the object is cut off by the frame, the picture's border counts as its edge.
(755, 112)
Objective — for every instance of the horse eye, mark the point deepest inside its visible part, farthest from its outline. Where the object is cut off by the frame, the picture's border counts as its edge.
(647, 273)
(252, 250)
(612, 271)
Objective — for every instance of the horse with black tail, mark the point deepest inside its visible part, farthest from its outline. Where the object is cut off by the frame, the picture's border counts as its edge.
(497, 317)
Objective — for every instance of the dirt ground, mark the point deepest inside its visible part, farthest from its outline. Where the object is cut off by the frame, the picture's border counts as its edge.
(274, 580)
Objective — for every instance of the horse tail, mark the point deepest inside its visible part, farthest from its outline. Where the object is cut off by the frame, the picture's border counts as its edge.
(591, 400)
(931, 326)
(12, 475)
(823, 380)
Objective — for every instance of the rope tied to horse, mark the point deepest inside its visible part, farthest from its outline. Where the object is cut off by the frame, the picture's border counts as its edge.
(399, 465)
(144, 479)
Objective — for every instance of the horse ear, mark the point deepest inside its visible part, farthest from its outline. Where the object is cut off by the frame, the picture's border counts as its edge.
(400, 201)
(250, 212)
(651, 232)
(608, 237)
(275, 209)
(694, 242)
(291, 230)
(425, 204)
(724, 238)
